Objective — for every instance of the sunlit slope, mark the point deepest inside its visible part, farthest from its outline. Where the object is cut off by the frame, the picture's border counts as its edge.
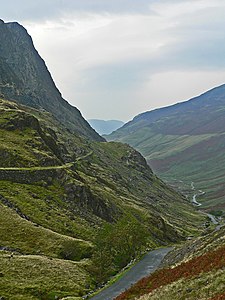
(185, 142)
(65, 200)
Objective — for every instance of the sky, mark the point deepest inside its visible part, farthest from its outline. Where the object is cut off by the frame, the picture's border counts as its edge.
(114, 59)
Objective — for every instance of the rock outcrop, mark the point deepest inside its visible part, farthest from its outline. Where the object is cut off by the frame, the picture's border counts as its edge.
(25, 78)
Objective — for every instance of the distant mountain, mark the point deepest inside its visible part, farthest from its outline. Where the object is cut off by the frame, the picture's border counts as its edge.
(24, 77)
(185, 143)
(105, 127)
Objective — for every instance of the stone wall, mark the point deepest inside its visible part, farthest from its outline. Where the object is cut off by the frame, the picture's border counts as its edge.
(30, 176)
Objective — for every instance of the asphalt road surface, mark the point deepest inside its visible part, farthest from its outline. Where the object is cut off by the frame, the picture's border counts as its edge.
(146, 266)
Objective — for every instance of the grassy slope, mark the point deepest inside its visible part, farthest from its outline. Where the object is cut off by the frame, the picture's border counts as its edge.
(185, 144)
(29, 277)
(59, 215)
(197, 272)
(187, 158)
(28, 238)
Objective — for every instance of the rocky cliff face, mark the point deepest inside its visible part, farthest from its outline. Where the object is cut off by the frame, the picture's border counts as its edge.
(25, 78)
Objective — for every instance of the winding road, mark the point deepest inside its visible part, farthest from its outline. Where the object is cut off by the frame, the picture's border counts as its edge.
(144, 267)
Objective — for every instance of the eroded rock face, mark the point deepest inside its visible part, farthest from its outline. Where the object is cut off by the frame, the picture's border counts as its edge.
(25, 78)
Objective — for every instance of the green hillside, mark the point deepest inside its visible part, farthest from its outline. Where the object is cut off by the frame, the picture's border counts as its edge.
(67, 202)
(74, 209)
(185, 143)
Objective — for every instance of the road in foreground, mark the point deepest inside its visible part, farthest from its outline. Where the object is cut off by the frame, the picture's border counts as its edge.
(146, 266)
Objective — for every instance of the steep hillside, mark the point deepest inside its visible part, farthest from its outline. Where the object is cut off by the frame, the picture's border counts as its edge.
(66, 198)
(194, 271)
(24, 77)
(74, 209)
(105, 127)
(185, 143)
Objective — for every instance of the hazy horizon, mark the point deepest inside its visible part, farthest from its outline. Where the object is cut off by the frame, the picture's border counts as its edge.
(116, 59)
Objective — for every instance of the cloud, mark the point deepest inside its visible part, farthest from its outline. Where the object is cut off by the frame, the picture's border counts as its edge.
(110, 57)
(156, 90)
(42, 10)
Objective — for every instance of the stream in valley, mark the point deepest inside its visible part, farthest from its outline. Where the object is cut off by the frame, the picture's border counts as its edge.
(194, 201)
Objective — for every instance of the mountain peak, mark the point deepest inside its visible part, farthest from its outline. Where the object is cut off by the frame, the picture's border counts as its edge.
(24, 77)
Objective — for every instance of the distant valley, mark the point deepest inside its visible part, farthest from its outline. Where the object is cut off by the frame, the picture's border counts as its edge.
(185, 145)
(105, 127)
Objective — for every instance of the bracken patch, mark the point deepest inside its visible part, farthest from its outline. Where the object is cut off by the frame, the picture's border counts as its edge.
(219, 297)
(204, 263)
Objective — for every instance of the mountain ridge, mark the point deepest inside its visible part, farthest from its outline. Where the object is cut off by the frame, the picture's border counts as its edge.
(25, 78)
(191, 101)
(184, 142)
